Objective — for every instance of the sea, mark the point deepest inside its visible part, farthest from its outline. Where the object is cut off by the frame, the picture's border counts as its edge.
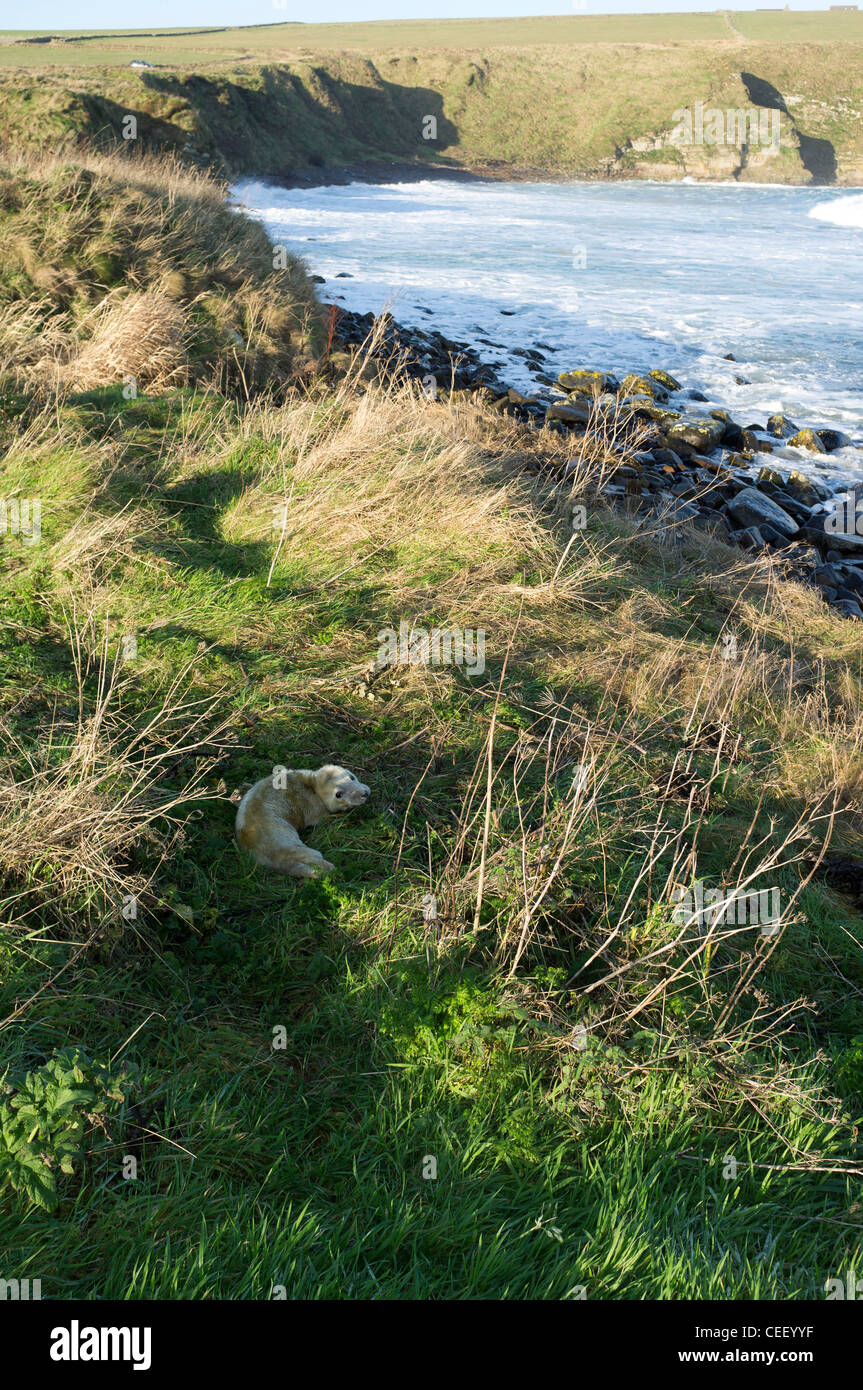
(751, 294)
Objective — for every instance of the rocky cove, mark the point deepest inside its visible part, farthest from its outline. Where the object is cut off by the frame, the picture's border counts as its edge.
(672, 459)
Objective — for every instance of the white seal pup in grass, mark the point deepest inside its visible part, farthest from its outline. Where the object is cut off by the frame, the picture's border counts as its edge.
(274, 811)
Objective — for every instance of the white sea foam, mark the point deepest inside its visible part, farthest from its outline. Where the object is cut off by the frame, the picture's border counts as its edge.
(843, 212)
(623, 276)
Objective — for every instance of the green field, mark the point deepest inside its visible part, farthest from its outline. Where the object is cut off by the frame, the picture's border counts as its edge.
(273, 42)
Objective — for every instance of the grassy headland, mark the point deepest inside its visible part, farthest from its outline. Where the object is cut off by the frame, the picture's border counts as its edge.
(571, 97)
(280, 1062)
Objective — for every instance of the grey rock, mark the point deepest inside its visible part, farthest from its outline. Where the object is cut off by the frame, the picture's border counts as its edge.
(771, 535)
(805, 488)
(833, 439)
(575, 412)
(850, 608)
(842, 545)
(781, 426)
(854, 581)
(751, 508)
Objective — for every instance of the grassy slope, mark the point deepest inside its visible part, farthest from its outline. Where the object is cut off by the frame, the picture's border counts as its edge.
(557, 1167)
(76, 234)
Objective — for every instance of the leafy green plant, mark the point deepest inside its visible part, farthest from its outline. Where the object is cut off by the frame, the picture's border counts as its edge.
(43, 1121)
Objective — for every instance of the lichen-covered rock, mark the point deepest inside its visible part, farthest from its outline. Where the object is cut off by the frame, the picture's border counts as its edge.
(781, 426)
(634, 385)
(808, 439)
(584, 380)
(701, 432)
(769, 475)
(665, 379)
(650, 410)
(806, 489)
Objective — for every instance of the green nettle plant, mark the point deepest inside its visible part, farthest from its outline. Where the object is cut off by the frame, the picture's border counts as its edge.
(43, 1121)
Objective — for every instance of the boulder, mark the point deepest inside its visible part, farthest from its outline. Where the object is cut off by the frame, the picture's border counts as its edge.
(827, 576)
(574, 412)
(667, 458)
(634, 385)
(700, 431)
(802, 514)
(587, 381)
(771, 535)
(732, 436)
(650, 410)
(751, 539)
(781, 426)
(665, 379)
(808, 439)
(806, 489)
(849, 608)
(853, 581)
(769, 475)
(750, 507)
(834, 439)
(844, 544)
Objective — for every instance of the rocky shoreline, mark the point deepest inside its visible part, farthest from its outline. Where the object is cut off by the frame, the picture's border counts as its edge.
(677, 464)
(385, 171)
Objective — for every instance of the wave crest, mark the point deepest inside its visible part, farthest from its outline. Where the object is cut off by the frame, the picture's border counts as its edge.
(843, 212)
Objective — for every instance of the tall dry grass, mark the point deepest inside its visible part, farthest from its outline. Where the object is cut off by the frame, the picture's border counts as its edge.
(76, 809)
(124, 265)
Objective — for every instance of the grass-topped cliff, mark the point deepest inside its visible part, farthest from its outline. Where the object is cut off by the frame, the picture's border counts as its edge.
(282, 1061)
(567, 107)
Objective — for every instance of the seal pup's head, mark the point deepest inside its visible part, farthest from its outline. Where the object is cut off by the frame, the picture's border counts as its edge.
(339, 789)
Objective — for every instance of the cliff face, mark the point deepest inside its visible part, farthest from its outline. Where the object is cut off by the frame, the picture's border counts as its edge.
(768, 112)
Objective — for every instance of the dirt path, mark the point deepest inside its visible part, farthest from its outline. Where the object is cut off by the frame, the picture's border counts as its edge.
(728, 16)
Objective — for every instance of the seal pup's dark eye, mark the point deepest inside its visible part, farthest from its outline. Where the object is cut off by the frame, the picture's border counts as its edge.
(338, 794)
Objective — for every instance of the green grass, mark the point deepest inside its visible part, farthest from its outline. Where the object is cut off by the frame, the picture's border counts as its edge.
(210, 1163)
(303, 1166)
